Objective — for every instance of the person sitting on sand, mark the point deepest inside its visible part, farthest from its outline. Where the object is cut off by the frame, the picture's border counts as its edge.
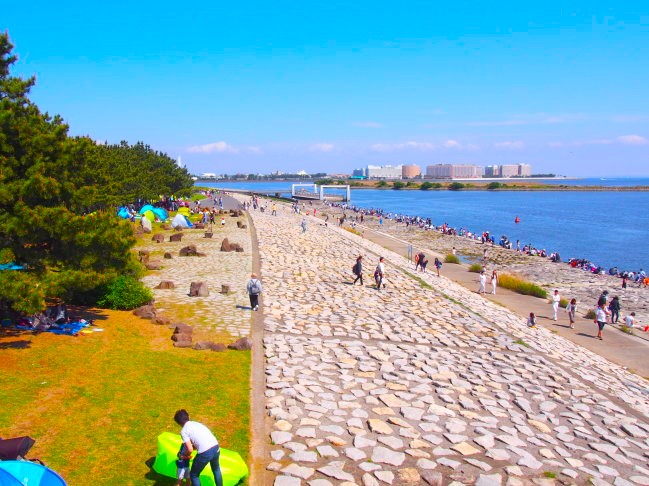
(531, 321)
(629, 320)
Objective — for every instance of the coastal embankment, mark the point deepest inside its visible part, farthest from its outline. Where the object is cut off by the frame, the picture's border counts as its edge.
(423, 381)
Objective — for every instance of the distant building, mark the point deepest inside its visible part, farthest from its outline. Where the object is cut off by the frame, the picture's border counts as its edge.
(410, 171)
(383, 172)
(492, 171)
(509, 170)
(207, 175)
(359, 173)
(524, 170)
(302, 173)
(453, 171)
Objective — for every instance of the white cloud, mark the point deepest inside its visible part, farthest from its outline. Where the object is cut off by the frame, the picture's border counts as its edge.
(254, 150)
(531, 119)
(517, 144)
(321, 147)
(452, 144)
(215, 147)
(632, 140)
(367, 124)
(410, 145)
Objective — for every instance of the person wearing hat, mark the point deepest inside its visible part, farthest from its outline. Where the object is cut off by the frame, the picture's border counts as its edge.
(254, 289)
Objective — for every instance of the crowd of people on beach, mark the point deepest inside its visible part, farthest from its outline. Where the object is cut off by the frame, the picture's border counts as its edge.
(639, 278)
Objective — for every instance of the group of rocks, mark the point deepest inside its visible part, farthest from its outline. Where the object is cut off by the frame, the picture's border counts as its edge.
(182, 336)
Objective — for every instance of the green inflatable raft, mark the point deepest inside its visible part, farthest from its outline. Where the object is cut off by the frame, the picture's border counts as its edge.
(233, 469)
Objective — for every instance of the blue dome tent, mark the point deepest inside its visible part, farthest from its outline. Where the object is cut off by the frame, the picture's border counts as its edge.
(28, 473)
(145, 208)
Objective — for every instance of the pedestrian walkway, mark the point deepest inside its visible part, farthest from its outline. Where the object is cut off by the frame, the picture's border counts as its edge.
(425, 382)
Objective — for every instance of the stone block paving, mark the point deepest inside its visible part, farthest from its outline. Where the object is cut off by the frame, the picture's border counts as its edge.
(415, 385)
(215, 313)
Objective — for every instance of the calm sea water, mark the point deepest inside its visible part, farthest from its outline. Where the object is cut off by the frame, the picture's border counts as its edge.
(608, 228)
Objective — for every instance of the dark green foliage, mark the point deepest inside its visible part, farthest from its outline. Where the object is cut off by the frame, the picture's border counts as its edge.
(426, 185)
(324, 182)
(475, 268)
(412, 184)
(455, 186)
(49, 183)
(398, 185)
(125, 293)
(382, 184)
(494, 185)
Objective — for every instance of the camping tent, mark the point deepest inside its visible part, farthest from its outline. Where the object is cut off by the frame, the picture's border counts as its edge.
(28, 473)
(184, 210)
(123, 213)
(145, 208)
(160, 213)
(233, 469)
(180, 221)
(150, 215)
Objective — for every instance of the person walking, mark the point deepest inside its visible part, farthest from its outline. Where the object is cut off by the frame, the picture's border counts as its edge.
(274, 210)
(379, 274)
(483, 283)
(419, 260)
(438, 265)
(494, 281)
(614, 307)
(556, 299)
(358, 270)
(254, 289)
(303, 225)
(603, 298)
(571, 309)
(600, 319)
(197, 436)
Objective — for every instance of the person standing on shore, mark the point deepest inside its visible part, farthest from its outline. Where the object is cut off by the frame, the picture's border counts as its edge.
(358, 270)
(494, 281)
(614, 307)
(600, 319)
(303, 225)
(483, 283)
(602, 298)
(379, 273)
(419, 261)
(623, 281)
(197, 436)
(556, 299)
(571, 308)
(254, 289)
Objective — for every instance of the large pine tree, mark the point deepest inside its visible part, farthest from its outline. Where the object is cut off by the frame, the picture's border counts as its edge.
(47, 183)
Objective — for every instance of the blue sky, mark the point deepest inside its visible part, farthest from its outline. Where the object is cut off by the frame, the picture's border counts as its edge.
(329, 86)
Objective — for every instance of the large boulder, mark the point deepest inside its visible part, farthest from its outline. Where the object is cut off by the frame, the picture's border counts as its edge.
(242, 344)
(143, 256)
(208, 234)
(168, 255)
(162, 321)
(182, 328)
(203, 345)
(146, 312)
(225, 245)
(199, 226)
(218, 347)
(158, 238)
(189, 250)
(198, 289)
(176, 237)
(166, 284)
(153, 265)
(225, 289)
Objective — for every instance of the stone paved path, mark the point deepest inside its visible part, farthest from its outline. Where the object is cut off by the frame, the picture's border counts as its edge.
(217, 315)
(425, 382)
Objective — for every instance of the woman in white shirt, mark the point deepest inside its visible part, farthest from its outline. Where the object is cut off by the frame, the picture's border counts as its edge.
(600, 319)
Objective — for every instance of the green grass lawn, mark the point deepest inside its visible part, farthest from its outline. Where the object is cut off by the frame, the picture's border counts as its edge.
(95, 404)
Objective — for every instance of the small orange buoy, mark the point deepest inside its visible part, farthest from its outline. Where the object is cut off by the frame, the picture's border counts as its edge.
(517, 220)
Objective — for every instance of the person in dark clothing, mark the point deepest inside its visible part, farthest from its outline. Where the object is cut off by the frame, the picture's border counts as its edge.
(602, 298)
(358, 270)
(614, 307)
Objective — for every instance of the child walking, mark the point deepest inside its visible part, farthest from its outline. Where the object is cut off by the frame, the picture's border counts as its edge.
(182, 467)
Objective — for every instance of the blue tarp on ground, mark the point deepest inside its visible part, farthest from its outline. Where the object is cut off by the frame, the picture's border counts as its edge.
(28, 473)
(123, 213)
(10, 266)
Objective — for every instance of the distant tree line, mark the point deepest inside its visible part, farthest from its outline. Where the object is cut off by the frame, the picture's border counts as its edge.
(58, 196)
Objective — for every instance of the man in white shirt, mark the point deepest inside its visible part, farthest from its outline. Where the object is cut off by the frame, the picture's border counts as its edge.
(197, 436)
(556, 299)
